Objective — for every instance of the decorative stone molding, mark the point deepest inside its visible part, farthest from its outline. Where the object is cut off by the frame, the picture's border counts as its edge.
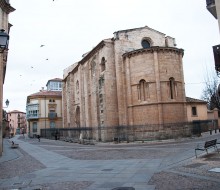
(153, 49)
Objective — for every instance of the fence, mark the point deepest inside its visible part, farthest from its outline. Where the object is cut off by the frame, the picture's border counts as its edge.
(132, 133)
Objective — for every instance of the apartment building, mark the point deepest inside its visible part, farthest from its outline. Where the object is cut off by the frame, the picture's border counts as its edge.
(44, 108)
(17, 122)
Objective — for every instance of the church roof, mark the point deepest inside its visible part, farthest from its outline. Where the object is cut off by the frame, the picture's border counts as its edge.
(193, 100)
(128, 30)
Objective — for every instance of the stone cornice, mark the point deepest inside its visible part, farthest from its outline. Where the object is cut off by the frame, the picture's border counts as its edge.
(6, 7)
(157, 103)
(153, 49)
(91, 53)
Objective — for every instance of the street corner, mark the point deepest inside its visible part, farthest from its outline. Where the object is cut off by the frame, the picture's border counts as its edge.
(202, 172)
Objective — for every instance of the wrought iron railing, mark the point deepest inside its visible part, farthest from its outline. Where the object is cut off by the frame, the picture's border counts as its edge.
(132, 133)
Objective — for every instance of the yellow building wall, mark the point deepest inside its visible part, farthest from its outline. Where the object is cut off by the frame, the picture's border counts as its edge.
(201, 112)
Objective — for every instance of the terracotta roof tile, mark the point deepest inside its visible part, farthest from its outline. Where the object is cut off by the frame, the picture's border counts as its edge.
(188, 100)
(47, 93)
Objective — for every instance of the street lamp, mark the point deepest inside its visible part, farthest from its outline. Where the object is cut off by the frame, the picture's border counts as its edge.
(4, 38)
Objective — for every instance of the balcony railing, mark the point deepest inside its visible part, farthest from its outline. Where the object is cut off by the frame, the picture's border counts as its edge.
(210, 2)
(32, 116)
(52, 115)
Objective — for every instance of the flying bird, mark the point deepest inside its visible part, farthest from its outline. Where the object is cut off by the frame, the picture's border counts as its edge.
(46, 59)
(42, 45)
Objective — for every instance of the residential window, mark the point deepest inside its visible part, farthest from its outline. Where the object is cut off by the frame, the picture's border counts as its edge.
(34, 127)
(55, 85)
(194, 111)
(52, 124)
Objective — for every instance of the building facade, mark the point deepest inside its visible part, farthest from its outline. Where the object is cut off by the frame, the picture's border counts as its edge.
(44, 108)
(17, 122)
(196, 109)
(5, 10)
(134, 78)
(213, 6)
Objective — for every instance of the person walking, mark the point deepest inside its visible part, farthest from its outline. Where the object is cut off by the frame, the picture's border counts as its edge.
(38, 136)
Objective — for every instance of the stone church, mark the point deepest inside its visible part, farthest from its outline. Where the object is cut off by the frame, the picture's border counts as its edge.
(132, 79)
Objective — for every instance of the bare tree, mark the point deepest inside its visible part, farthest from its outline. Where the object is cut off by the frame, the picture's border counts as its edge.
(210, 92)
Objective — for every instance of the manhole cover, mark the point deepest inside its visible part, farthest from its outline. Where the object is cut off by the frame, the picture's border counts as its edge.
(124, 188)
(196, 165)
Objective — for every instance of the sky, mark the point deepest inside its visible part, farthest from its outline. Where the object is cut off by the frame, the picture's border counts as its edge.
(70, 28)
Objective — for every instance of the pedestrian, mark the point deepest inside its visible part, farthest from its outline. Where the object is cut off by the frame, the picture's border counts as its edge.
(38, 136)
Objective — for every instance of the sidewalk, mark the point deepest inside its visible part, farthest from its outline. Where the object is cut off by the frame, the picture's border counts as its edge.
(8, 153)
(55, 165)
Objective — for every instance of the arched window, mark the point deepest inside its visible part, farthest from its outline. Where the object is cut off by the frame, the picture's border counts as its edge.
(172, 87)
(77, 116)
(145, 43)
(143, 90)
(102, 64)
(77, 86)
(93, 68)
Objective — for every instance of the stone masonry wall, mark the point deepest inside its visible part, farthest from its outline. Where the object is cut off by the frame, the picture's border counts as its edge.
(113, 96)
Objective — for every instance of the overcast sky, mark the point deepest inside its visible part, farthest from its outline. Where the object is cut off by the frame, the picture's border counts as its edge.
(70, 28)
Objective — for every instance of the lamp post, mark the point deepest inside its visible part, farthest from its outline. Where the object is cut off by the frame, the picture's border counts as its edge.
(4, 38)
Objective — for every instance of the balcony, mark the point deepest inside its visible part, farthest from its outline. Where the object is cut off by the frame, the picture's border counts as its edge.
(52, 115)
(33, 116)
(210, 5)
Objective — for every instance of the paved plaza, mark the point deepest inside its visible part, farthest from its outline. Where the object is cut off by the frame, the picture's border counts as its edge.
(57, 165)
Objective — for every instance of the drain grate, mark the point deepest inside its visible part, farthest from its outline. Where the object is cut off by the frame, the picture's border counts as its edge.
(21, 183)
(196, 165)
(106, 170)
(124, 188)
(18, 183)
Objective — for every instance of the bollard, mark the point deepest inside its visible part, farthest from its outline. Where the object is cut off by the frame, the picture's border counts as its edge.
(215, 130)
(210, 131)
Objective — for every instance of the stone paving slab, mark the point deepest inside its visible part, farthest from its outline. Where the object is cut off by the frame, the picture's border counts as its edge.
(135, 167)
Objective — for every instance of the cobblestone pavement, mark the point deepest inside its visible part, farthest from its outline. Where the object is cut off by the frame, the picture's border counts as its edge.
(167, 165)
